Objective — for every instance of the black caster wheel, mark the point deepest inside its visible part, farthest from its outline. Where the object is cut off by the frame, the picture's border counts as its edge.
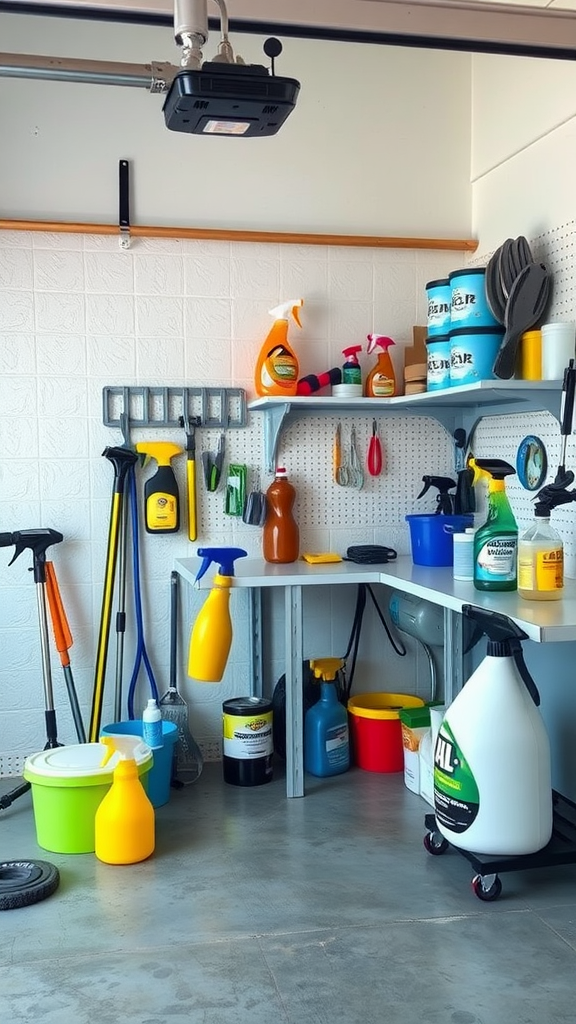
(435, 843)
(487, 887)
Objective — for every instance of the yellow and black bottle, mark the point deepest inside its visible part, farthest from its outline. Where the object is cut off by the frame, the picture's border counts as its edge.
(161, 496)
(211, 637)
(124, 824)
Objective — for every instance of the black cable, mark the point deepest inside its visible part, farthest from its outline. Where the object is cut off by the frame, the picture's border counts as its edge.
(354, 641)
(397, 645)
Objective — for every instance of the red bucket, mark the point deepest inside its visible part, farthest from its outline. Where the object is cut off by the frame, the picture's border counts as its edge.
(376, 730)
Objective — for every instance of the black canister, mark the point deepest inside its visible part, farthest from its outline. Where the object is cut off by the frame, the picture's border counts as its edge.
(247, 744)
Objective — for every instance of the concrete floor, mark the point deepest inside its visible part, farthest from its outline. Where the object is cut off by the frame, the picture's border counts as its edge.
(256, 909)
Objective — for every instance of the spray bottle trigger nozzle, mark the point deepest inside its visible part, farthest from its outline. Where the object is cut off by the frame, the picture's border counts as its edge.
(224, 556)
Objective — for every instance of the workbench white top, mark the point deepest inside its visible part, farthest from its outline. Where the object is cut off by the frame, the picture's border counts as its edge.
(543, 621)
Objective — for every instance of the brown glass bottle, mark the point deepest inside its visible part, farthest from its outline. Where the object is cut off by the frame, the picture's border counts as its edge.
(280, 535)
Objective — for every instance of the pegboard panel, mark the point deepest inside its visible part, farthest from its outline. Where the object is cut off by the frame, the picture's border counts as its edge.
(11, 765)
(412, 446)
(500, 436)
(557, 250)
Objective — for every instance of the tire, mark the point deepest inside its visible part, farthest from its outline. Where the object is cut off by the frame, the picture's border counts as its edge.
(23, 882)
(435, 844)
(486, 893)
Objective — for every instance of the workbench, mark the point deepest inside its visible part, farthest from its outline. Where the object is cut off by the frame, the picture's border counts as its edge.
(542, 621)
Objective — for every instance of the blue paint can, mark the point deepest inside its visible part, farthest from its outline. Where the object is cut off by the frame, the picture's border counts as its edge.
(439, 299)
(468, 305)
(438, 362)
(472, 353)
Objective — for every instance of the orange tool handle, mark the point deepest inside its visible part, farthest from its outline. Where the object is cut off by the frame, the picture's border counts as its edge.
(60, 627)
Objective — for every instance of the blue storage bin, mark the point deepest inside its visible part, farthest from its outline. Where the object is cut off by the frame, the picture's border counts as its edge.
(431, 537)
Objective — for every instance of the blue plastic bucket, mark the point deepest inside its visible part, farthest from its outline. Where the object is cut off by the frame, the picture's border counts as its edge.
(431, 537)
(472, 353)
(438, 362)
(160, 773)
(468, 305)
(439, 300)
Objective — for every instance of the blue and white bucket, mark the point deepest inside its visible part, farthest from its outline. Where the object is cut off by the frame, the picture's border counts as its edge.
(468, 305)
(439, 299)
(438, 362)
(473, 351)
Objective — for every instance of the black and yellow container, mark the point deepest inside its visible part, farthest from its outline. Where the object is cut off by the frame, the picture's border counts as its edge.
(247, 744)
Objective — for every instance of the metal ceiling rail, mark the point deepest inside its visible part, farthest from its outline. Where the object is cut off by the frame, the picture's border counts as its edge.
(440, 24)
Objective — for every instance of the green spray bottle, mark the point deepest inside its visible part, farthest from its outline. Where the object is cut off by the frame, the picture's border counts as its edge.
(496, 542)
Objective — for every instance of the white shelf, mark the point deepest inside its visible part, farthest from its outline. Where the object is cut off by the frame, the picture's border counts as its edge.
(452, 407)
(543, 621)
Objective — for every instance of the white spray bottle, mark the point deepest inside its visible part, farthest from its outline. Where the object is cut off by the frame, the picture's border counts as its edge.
(492, 775)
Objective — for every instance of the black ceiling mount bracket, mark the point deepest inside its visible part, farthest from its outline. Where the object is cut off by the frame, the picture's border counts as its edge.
(124, 203)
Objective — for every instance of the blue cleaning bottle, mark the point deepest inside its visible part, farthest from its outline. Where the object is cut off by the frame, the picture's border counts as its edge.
(326, 738)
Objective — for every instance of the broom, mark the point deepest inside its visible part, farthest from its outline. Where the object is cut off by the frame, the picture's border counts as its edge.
(189, 760)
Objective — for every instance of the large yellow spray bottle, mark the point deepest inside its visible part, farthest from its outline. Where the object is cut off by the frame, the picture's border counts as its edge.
(212, 633)
(162, 512)
(277, 366)
(124, 823)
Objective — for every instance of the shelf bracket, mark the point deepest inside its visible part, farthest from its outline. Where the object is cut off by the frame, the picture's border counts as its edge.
(273, 423)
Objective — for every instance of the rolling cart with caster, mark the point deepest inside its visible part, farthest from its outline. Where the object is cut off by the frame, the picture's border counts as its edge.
(486, 883)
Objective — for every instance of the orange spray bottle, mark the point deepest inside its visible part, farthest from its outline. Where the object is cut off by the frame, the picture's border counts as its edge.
(277, 368)
(381, 381)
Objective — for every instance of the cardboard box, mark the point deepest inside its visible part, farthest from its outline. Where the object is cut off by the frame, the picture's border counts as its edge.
(416, 352)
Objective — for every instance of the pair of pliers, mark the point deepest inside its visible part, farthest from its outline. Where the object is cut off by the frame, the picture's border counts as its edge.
(375, 460)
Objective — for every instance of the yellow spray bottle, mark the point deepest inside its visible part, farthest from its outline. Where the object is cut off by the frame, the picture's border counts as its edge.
(162, 502)
(212, 633)
(277, 368)
(124, 823)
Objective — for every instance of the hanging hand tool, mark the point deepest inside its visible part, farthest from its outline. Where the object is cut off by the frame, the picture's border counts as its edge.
(141, 652)
(213, 466)
(38, 541)
(162, 499)
(444, 501)
(565, 477)
(122, 459)
(356, 471)
(63, 640)
(464, 500)
(190, 423)
(375, 461)
(337, 454)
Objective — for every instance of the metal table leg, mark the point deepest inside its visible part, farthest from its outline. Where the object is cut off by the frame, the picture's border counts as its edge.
(294, 696)
(255, 626)
(453, 655)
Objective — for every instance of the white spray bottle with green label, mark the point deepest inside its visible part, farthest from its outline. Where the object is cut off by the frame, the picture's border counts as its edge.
(492, 775)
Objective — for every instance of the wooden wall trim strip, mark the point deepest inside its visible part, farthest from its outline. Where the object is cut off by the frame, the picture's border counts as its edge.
(225, 235)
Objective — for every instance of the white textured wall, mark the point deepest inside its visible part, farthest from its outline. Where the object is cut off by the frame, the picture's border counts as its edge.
(368, 149)
(77, 314)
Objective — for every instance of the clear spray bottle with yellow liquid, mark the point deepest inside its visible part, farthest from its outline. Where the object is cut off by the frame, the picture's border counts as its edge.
(211, 637)
(541, 550)
(124, 824)
(277, 368)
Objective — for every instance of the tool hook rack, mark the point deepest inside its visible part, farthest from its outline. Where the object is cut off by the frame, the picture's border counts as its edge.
(486, 883)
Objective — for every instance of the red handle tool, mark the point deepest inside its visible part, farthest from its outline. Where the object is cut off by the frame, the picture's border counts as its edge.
(375, 460)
